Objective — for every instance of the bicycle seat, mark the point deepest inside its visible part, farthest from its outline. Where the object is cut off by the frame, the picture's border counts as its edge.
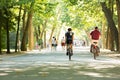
(95, 42)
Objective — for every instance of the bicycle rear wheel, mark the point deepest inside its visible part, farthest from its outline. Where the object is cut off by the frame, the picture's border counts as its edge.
(70, 54)
(95, 55)
(94, 51)
(69, 57)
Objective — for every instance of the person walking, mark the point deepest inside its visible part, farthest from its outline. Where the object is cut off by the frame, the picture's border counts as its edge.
(63, 43)
(54, 44)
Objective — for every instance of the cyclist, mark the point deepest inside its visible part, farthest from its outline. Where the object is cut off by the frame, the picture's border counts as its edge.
(69, 35)
(95, 35)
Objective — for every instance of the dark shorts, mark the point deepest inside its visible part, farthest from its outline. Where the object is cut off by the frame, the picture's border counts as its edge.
(52, 44)
(69, 42)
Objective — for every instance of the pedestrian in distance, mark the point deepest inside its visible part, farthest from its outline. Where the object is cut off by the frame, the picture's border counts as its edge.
(63, 43)
(54, 44)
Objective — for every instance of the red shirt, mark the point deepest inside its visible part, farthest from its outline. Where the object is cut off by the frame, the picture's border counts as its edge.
(95, 34)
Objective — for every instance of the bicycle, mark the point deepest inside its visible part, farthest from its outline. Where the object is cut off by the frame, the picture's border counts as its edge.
(69, 51)
(95, 50)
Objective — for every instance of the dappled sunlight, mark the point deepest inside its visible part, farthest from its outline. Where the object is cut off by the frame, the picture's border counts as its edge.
(43, 73)
(4, 69)
(3, 74)
(55, 65)
(59, 49)
(96, 74)
(104, 66)
(8, 71)
(101, 66)
(19, 70)
(93, 74)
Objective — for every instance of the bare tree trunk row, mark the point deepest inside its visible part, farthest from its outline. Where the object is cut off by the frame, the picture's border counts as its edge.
(111, 24)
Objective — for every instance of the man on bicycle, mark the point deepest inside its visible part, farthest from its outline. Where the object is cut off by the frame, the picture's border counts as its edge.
(69, 35)
(95, 35)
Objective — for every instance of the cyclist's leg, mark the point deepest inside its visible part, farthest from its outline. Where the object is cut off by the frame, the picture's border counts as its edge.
(67, 47)
(97, 47)
(71, 47)
(94, 43)
(91, 48)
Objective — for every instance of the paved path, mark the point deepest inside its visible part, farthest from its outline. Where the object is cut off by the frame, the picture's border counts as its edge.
(54, 65)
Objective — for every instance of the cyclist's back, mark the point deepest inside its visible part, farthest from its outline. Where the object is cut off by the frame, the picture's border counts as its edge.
(69, 36)
(95, 34)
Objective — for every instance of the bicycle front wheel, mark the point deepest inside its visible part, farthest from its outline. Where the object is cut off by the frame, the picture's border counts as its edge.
(69, 57)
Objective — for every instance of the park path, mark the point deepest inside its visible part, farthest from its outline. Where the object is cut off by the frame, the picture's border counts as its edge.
(54, 65)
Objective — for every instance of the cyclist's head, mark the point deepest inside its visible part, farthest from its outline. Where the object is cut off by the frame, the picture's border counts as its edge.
(69, 29)
(96, 27)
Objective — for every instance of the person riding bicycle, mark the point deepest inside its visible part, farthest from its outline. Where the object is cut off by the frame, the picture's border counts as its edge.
(95, 35)
(69, 35)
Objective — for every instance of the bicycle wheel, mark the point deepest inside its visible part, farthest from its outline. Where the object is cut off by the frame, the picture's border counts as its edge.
(69, 53)
(95, 55)
(94, 51)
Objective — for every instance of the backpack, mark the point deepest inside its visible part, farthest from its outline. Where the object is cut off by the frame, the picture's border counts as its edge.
(69, 36)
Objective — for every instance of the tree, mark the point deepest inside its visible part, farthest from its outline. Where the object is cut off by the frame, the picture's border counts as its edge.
(18, 30)
(118, 13)
(25, 32)
(111, 24)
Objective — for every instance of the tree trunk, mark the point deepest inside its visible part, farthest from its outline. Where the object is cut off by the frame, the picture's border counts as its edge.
(17, 44)
(43, 29)
(7, 31)
(44, 39)
(25, 32)
(0, 42)
(111, 24)
(31, 34)
(107, 38)
(52, 31)
(111, 41)
(88, 40)
(24, 19)
(8, 39)
(103, 35)
(118, 12)
(58, 32)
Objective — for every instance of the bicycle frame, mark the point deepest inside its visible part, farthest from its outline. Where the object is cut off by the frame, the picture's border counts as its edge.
(94, 49)
(69, 50)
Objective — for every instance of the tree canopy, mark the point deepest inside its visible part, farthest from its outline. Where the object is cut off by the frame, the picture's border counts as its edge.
(47, 18)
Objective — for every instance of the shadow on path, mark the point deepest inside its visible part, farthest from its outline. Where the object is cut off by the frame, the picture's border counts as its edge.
(54, 65)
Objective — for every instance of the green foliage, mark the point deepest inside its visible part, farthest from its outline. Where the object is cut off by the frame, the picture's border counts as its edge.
(12, 39)
(78, 14)
(3, 37)
(74, 2)
(40, 42)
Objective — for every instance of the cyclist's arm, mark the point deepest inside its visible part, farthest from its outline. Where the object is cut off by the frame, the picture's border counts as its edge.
(72, 37)
(65, 38)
